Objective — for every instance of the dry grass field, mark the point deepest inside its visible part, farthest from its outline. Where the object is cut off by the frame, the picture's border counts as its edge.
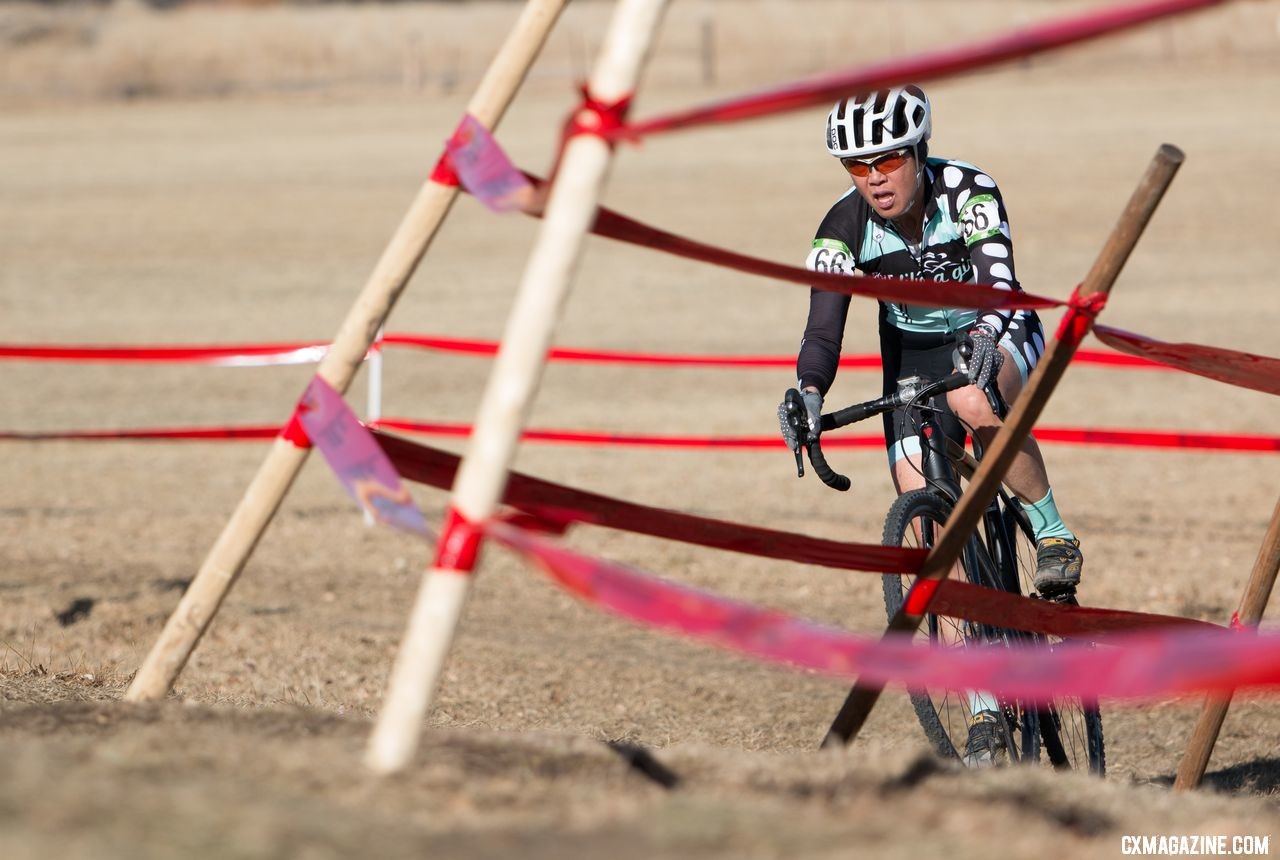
(243, 192)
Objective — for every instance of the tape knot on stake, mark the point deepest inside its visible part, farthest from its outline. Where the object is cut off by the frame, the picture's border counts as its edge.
(293, 431)
(602, 119)
(459, 543)
(444, 174)
(1081, 312)
(920, 595)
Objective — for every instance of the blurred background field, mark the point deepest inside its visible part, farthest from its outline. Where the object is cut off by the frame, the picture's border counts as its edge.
(128, 49)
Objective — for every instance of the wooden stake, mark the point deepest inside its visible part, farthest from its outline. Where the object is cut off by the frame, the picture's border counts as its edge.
(482, 475)
(1008, 441)
(1253, 603)
(276, 474)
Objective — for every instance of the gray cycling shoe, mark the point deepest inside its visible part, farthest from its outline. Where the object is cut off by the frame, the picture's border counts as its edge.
(1058, 564)
(986, 746)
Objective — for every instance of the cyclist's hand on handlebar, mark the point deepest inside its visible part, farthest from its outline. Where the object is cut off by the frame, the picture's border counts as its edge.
(813, 412)
(985, 357)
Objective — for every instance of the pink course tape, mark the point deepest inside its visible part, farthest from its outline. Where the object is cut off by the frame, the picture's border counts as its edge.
(1139, 666)
(361, 466)
(484, 169)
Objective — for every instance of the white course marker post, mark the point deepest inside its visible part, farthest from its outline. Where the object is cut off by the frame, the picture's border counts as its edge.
(275, 476)
(373, 411)
(513, 382)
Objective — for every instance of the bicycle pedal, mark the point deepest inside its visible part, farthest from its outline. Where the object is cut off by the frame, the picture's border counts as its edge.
(1066, 596)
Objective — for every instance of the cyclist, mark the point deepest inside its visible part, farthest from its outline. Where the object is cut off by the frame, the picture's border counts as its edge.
(911, 216)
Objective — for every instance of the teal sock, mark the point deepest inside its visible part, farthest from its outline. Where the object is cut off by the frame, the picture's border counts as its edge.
(1046, 522)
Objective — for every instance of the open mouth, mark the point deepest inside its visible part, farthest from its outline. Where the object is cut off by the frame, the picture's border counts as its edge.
(884, 199)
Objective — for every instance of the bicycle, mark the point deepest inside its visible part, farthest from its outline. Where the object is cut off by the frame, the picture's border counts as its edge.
(1000, 555)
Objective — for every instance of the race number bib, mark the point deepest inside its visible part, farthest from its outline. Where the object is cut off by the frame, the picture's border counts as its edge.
(830, 255)
(979, 219)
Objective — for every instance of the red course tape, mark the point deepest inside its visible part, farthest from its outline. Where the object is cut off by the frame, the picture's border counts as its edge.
(250, 354)
(918, 69)
(1143, 665)
(1070, 435)
(1158, 439)
(235, 355)
(956, 295)
(1244, 369)
(459, 543)
(558, 506)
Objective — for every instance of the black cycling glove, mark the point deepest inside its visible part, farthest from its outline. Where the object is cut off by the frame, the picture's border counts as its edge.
(813, 407)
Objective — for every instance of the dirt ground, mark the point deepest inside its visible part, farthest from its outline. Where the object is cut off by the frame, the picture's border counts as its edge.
(558, 731)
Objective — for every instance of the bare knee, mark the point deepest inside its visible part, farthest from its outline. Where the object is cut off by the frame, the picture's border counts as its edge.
(972, 407)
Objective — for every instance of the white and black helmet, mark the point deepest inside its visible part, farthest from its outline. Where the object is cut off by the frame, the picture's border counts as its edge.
(885, 120)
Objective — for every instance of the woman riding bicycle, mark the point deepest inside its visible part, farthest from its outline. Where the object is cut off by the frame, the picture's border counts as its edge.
(911, 216)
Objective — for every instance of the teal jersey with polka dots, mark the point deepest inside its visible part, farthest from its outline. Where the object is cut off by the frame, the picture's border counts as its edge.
(966, 239)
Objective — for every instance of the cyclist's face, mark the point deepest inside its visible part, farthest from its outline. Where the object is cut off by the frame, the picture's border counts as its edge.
(889, 194)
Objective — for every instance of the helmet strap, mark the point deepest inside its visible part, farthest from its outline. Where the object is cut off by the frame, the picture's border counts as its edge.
(917, 199)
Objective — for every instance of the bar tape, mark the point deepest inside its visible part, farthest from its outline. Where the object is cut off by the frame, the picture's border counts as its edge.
(923, 67)
(1129, 666)
(559, 506)
(254, 355)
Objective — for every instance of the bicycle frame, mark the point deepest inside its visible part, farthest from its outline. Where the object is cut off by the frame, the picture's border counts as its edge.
(1071, 731)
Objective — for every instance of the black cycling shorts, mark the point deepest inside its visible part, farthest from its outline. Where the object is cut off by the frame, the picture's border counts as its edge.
(907, 353)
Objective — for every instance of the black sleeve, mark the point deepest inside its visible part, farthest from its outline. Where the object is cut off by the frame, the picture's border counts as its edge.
(823, 334)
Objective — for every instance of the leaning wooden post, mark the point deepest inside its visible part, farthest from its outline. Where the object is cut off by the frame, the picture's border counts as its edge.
(482, 475)
(276, 474)
(1252, 604)
(1076, 323)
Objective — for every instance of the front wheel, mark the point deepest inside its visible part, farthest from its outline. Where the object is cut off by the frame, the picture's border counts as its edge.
(916, 519)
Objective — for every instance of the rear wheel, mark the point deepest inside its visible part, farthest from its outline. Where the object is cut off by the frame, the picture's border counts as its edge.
(915, 520)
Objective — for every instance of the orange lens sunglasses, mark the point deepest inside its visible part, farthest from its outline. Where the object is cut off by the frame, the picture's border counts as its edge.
(886, 164)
